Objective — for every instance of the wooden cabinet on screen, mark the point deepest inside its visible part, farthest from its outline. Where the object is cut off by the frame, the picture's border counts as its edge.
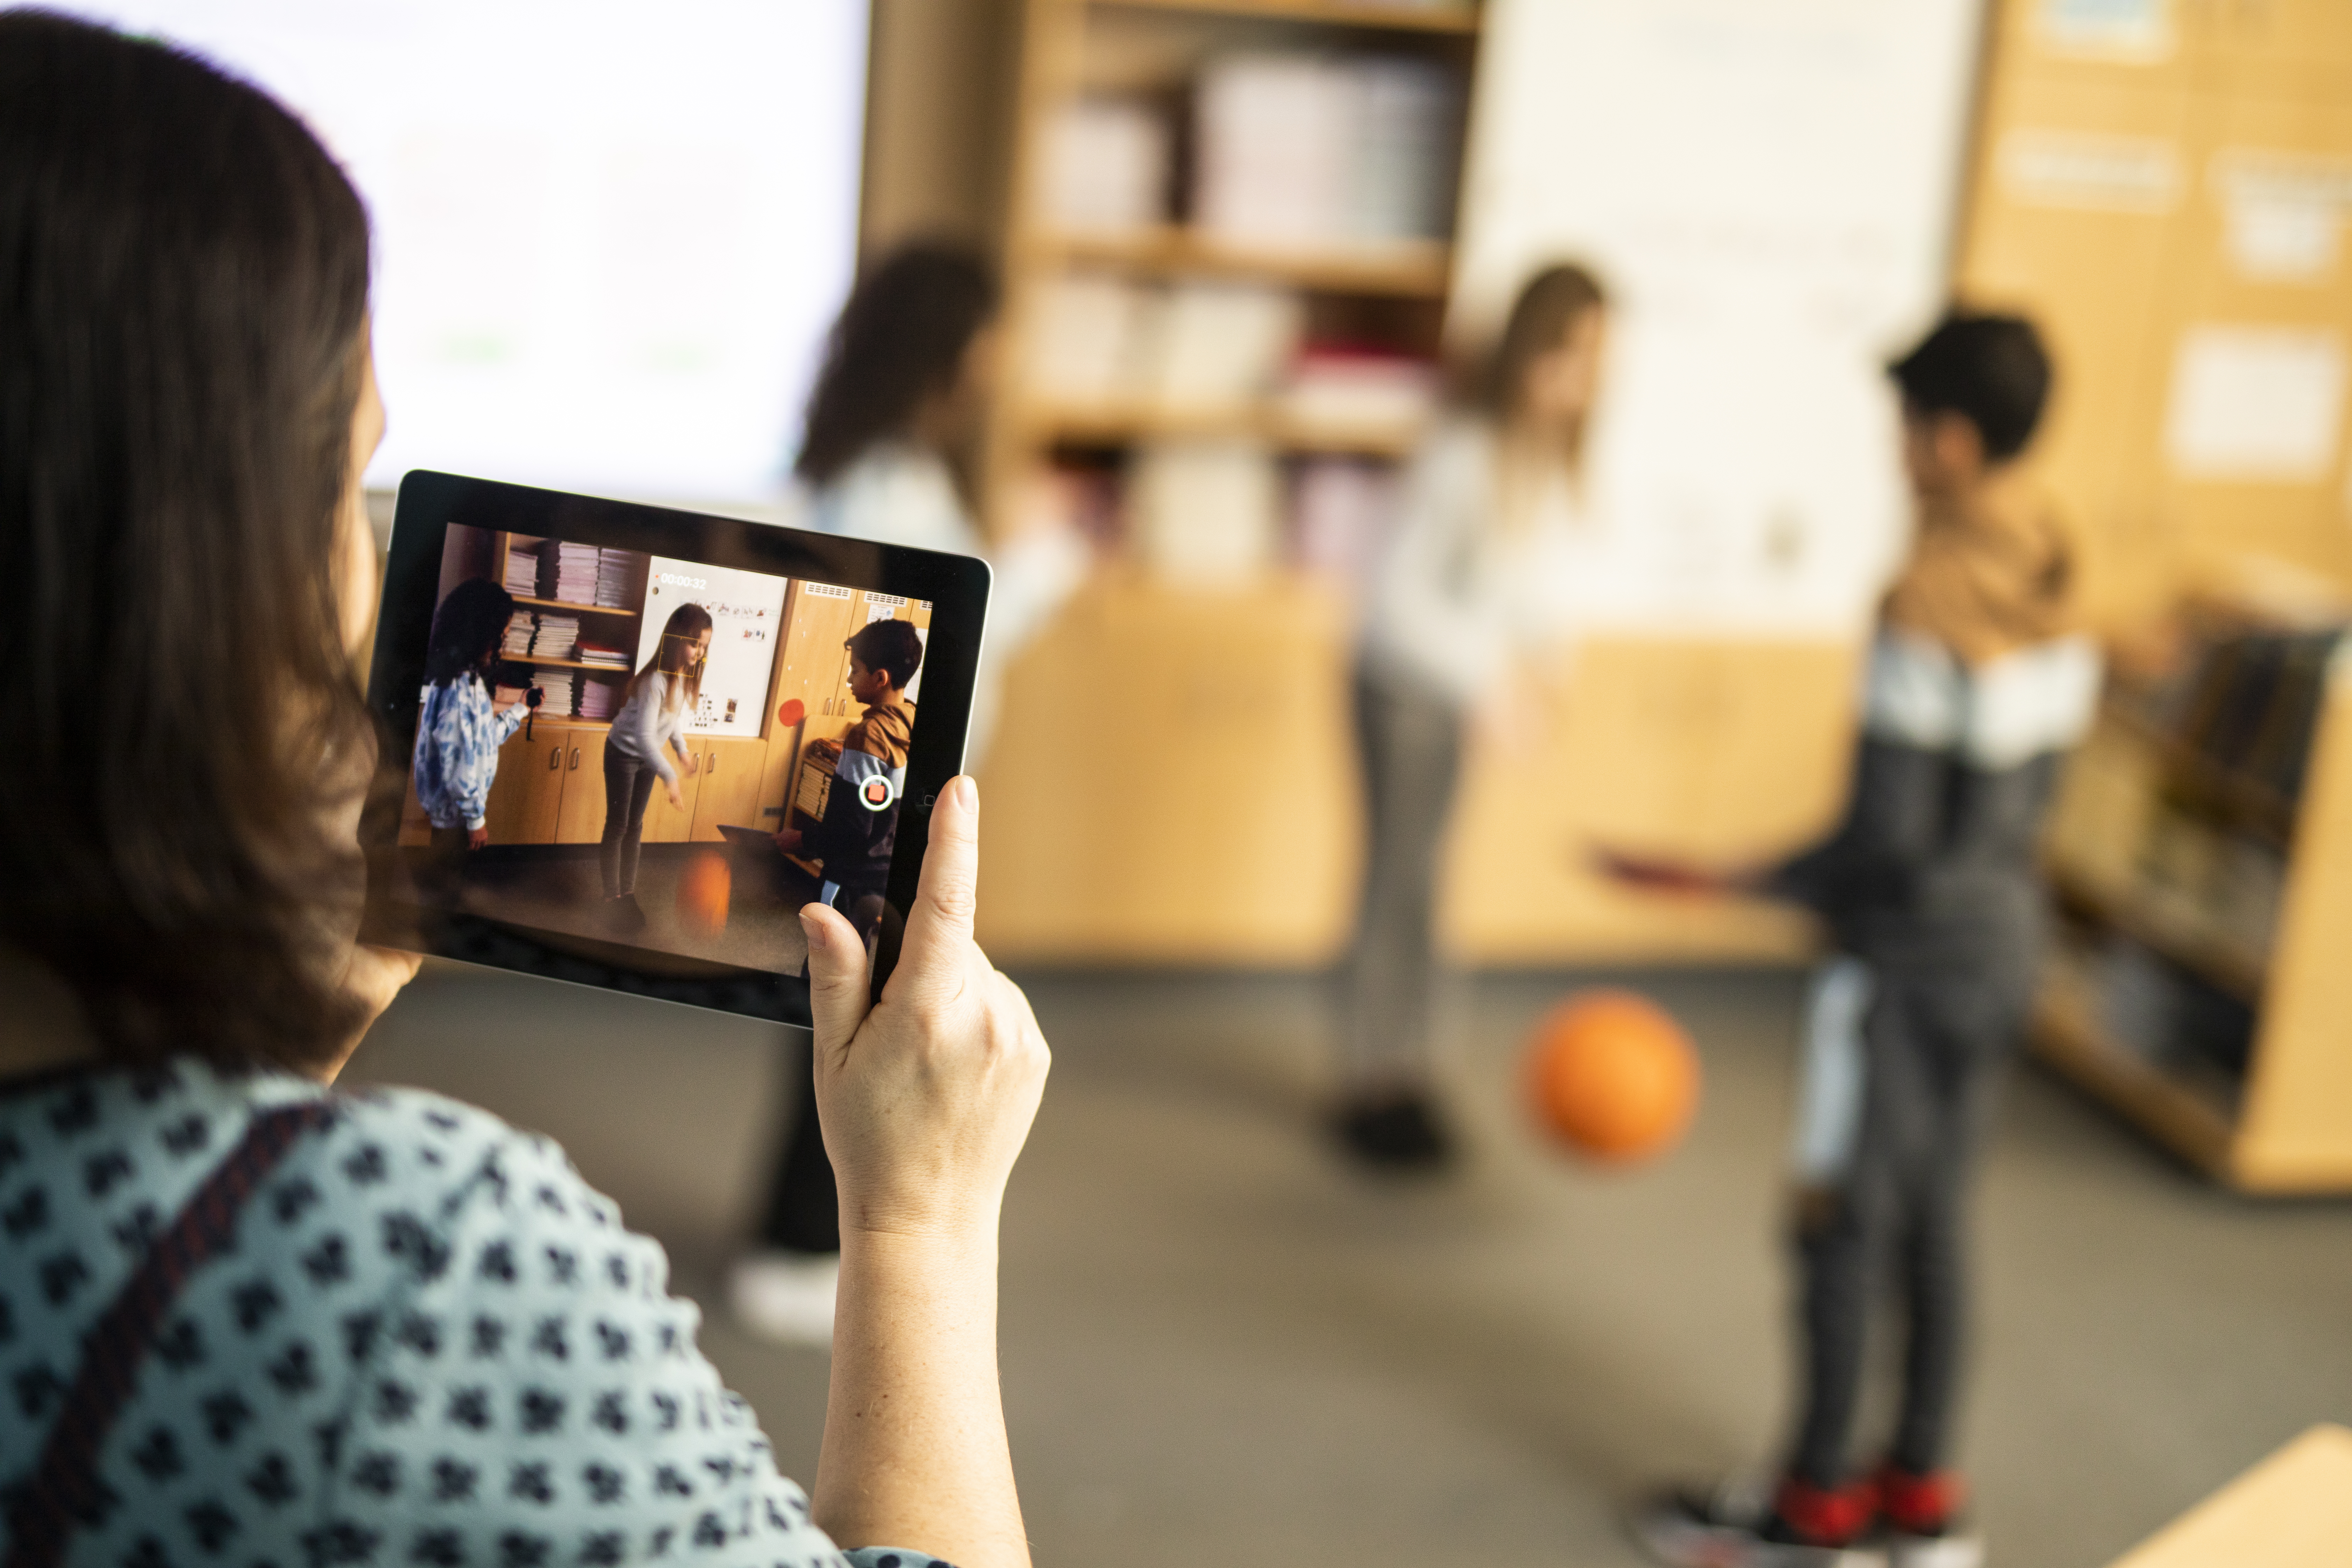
(727, 792)
(526, 798)
(581, 817)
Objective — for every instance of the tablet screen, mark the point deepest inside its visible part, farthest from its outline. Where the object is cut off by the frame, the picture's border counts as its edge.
(637, 743)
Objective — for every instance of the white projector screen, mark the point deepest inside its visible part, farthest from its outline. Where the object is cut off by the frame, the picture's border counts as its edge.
(1769, 187)
(609, 237)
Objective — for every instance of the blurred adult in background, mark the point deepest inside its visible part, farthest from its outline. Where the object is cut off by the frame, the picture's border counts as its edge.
(1467, 595)
(240, 1311)
(897, 405)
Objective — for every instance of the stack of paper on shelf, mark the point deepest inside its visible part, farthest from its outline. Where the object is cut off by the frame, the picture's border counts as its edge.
(1356, 389)
(1307, 151)
(1402, 185)
(520, 626)
(617, 571)
(557, 685)
(1273, 164)
(575, 573)
(589, 649)
(1205, 512)
(1107, 166)
(503, 696)
(599, 699)
(522, 571)
(1219, 345)
(557, 635)
(1083, 346)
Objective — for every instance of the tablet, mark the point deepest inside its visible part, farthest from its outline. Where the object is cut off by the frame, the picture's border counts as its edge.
(632, 742)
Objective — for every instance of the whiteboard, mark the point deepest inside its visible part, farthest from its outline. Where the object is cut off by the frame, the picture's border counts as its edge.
(609, 237)
(746, 626)
(1769, 188)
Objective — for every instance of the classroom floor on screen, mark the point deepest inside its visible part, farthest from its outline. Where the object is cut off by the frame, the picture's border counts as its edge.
(1221, 1345)
(563, 890)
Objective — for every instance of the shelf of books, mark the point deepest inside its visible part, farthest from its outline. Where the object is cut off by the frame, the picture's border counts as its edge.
(574, 627)
(2201, 855)
(1228, 253)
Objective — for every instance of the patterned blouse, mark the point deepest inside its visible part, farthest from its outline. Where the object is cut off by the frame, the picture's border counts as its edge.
(427, 1342)
(458, 734)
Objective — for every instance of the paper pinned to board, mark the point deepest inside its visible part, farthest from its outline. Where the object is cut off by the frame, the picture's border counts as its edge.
(2282, 214)
(2255, 404)
(2131, 31)
(2090, 171)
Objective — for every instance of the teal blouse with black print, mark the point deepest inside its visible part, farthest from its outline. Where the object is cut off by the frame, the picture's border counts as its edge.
(431, 1342)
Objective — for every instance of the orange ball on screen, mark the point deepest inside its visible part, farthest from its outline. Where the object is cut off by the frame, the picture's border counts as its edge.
(702, 892)
(1612, 1075)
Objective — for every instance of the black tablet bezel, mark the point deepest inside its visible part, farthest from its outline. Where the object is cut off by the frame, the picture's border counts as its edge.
(955, 586)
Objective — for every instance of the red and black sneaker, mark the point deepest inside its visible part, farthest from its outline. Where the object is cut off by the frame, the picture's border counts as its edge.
(1923, 1520)
(1743, 1524)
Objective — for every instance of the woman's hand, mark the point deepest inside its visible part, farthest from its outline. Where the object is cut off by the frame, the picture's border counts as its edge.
(693, 764)
(477, 837)
(677, 797)
(925, 1097)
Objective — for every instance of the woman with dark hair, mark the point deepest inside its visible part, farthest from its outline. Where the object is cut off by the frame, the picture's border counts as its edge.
(654, 709)
(239, 1311)
(907, 376)
(459, 730)
(906, 379)
(1468, 588)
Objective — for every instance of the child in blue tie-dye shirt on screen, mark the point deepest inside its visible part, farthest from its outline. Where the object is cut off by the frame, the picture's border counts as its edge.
(459, 729)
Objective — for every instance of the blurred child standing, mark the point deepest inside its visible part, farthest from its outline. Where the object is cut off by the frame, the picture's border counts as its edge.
(458, 731)
(1976, 684)
(1469, 586)
(906, 380)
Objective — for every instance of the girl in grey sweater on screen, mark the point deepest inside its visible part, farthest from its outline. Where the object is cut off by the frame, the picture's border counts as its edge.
(661, 695)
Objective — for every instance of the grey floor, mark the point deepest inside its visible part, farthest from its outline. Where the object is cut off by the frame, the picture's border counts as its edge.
(1220, 1346)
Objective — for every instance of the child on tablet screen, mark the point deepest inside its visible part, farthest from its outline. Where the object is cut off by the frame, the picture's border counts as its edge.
(660, 697)
(458, 732)
(860, 828)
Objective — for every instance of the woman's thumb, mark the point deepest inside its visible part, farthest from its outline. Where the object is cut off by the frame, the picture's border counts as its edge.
(837, 982)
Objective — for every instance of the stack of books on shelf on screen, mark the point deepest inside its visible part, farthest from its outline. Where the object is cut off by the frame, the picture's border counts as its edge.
(593, 649)
(573, 578)
(522, 571)
(599, 699)
(557, 685)
(556, 638)
(519, 627)
(616, 570)
(506, 696)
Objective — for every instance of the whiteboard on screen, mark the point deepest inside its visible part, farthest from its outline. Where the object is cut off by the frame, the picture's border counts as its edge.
(1767, 188)
(609, 237)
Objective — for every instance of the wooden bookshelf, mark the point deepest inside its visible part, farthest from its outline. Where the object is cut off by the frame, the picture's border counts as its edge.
(2283, 1122)
(565, 606)
(1168, 862)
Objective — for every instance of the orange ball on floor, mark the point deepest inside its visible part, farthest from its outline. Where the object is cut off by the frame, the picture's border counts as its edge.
(1612, 1075)
(702, 892)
